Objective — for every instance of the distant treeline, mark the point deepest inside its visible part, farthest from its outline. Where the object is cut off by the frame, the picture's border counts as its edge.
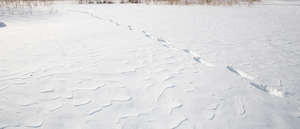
(24, 3)
(32, 3)
(172, 2)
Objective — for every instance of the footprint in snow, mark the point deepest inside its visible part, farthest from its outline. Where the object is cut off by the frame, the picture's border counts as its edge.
(130, 27)
(2, 24)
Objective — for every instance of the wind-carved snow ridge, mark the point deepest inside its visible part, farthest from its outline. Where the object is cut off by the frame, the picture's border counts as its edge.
(179, 123)
(163, 91)
(55, 107)
(124, 99)
(126, 116)
(35, 125)
(15, 125)
(213, 109)
(88, 88)
(3, 88)
(94, 111)
(48, 90)
(176, 106)
(81, 102)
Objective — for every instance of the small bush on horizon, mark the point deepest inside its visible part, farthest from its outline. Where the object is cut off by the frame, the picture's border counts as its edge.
(35, 3)
(170, 2)
(24, 3)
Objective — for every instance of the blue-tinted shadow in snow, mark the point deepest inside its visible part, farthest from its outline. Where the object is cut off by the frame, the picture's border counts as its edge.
(2, 24)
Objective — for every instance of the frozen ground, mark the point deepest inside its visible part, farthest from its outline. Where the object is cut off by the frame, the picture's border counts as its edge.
(151, 67)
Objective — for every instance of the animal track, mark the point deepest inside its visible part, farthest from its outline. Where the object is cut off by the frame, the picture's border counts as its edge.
(200, 60)
(197, 58)
(268, 90)
(264, 88)
(130, 27)
(2, 24)
(166, 44)
(240, 73)
(147, 34)
(241, 106)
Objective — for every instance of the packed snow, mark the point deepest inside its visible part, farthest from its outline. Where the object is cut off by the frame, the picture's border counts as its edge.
(125, 66)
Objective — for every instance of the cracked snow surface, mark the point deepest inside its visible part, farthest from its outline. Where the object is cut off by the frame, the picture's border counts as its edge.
(139, 67)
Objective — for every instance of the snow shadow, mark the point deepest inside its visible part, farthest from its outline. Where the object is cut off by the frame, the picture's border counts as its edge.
(2, 24)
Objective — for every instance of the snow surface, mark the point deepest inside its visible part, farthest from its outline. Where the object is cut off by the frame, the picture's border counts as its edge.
(151, 67)
(2, 24)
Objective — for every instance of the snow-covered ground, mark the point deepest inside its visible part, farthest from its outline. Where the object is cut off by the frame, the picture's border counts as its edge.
(151, 67)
